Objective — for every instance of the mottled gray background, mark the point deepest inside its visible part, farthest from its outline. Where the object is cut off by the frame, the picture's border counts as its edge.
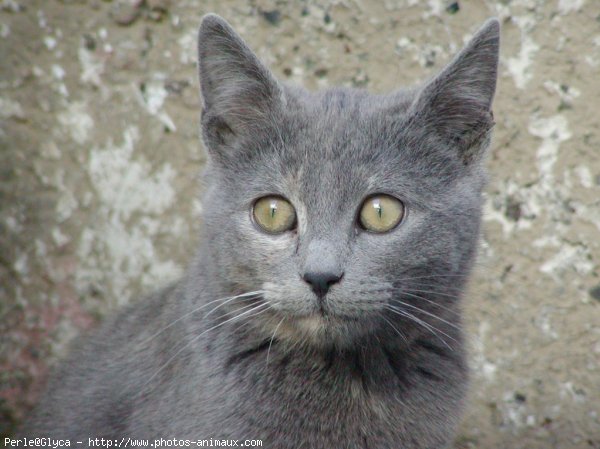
(99, 156)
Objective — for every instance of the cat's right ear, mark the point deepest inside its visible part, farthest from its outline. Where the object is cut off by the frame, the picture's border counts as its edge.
(239, 93)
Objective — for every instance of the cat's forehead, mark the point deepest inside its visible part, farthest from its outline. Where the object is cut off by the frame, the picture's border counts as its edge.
(342, 126)
(334, 153)
(334, 148)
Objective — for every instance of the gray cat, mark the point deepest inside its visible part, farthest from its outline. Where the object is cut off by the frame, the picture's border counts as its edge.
(322, 309)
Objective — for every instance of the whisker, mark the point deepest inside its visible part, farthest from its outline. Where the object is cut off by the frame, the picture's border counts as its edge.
(271, 342)
(197, 309)
(394, 327)
(427, 313)
(247, 296)
(264, 307)
(404, 289)
(223, 315)
(441, 306)
(434, 276)
(427, 326)
(433, 292)
(409, 293)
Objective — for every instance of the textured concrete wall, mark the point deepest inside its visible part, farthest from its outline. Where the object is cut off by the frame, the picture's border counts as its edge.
(99, 156)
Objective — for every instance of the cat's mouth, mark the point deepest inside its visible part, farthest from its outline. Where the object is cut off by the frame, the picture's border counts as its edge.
(302, 317)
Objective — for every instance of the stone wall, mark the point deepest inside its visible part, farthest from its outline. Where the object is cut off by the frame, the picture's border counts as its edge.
(99, 156)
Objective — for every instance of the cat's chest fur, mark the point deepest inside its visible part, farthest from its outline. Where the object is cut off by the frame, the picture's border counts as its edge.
(327, 398)
(352, 399)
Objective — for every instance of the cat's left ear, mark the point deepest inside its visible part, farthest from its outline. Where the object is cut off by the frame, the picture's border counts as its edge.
(239, 93)
(456, 105)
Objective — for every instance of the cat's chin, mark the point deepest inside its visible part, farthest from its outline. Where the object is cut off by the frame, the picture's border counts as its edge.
(322, 330)
(312, 324)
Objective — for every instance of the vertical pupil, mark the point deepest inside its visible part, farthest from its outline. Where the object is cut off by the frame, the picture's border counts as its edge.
(377, 206)
(273, 208)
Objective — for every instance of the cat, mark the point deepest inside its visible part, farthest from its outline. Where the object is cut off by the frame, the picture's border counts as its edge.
(323, 307)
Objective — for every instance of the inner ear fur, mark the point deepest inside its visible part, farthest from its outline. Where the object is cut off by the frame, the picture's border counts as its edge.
(456, 105)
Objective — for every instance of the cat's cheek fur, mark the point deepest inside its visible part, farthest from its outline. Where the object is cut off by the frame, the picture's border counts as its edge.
(267, 253)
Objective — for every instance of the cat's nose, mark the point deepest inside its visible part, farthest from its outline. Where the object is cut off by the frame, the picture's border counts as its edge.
(321, 281)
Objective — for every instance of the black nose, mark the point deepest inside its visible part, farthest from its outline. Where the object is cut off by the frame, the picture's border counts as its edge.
(320, 282)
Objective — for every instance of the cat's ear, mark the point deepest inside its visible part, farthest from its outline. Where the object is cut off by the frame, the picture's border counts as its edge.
(238, 91)
(456, 105)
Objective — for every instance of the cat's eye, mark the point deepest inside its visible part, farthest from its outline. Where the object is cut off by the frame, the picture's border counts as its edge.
(381, 213)
(274, 214)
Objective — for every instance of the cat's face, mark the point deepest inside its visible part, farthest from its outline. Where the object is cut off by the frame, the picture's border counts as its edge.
(340, 206)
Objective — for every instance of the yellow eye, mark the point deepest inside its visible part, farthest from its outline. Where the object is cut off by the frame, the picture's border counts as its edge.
(380, 213)
(274, 214)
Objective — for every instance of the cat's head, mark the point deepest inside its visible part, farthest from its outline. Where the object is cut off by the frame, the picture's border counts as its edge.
(351, 213)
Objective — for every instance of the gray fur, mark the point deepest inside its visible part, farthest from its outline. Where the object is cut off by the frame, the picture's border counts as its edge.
(353, 374)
